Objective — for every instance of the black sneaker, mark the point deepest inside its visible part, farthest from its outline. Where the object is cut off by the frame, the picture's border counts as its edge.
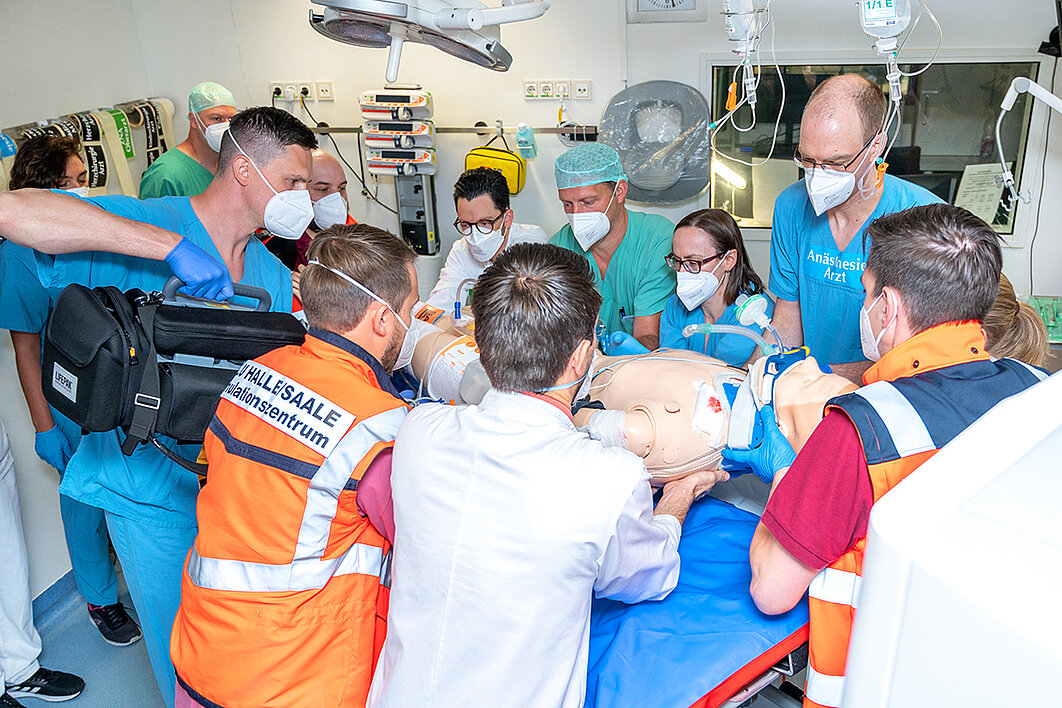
(6, 701)
(115, 624)
(48, 685)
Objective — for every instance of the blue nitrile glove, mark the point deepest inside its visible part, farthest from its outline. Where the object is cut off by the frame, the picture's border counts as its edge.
(774, 452)
(621, 343)
(203, 276)
(53, 447)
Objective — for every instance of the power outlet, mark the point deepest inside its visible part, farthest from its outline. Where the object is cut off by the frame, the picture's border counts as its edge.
(306, 90)
(546, 89)
(282, 90)
(326, 91)
(582, 90)
(562, 88)
(530, 89)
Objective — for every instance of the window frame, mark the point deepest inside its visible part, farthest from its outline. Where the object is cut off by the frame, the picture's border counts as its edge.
(1033, 135)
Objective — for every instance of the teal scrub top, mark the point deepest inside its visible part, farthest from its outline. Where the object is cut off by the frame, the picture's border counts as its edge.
(24, 307)
(174, 174)
(638, 282)
(146, 486)
(734, 349)
(807, 267)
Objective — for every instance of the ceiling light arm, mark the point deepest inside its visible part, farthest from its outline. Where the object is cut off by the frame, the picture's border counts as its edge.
(466, 18)
(1018, 86)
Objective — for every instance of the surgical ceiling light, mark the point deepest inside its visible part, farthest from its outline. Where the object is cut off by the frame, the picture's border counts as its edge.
(466, 29)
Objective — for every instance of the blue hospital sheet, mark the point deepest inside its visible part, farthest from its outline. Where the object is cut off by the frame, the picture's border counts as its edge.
(673, 652)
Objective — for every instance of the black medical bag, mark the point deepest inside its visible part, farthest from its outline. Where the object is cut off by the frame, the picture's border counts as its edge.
(138, 362)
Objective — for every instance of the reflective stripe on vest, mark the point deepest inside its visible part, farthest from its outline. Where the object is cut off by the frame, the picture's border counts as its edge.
(840, 587)
(310, 574)
(824, 689)
(909, 434)
(307, 570)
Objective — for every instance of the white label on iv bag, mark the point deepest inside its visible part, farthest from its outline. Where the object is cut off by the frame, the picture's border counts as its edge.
(876, 10)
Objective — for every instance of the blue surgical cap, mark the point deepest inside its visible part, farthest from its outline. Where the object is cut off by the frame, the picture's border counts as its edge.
(207, 95)
(586, 164)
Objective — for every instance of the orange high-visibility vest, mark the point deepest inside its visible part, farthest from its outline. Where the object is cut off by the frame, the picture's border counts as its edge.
(918, 397)
(279, 603)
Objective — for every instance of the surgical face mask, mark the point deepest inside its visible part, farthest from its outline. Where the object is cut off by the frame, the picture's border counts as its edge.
(590, 227)
(213, 132)
(694, 288)
(409, 341)
(288, 213)
(483, 247)
(79, 191)
(866, 333)
(330, 210)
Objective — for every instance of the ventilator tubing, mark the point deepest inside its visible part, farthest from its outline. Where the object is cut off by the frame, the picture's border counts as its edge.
(707, 329)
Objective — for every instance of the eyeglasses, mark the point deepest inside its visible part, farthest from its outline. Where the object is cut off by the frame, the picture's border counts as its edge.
(690, 265)
(805, 163)
(484, 227)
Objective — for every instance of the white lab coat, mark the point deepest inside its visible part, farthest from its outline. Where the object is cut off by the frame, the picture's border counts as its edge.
(508, 520)
(461, 265)
(20, 645)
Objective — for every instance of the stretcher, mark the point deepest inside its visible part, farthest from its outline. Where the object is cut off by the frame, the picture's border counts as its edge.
(706, 641)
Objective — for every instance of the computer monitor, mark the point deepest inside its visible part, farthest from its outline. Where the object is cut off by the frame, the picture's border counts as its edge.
(963, 571)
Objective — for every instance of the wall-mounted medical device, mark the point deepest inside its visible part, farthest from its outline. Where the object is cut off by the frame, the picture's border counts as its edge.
(398, 133)
(469, 31)
(398, 104)
(398, 161)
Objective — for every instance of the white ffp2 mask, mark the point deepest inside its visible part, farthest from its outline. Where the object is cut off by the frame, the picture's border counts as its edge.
(79, 191)
(484, 247)
(330, 210)
(212, 133)
(827, 188)
(694, 288)
(867, 340)
(589, 227)
(287, 213)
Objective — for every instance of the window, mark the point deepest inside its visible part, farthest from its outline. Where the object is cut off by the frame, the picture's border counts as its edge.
(948, 122)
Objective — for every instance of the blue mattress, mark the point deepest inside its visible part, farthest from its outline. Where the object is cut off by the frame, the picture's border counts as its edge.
(673, 652)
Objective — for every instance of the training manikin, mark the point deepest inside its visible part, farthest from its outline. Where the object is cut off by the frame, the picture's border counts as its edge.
(675, 409)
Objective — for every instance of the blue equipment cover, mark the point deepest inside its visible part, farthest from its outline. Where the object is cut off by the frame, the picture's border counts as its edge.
(673, 652)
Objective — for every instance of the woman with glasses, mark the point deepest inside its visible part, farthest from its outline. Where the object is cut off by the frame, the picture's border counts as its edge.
(713, 270)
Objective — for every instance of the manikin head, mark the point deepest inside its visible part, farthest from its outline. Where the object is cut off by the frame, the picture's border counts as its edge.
(842, 131)
(481, 197)
(279, 145)
(535, 309)
(382, 263)
(48, 162)
(209, 104)
(928, 265)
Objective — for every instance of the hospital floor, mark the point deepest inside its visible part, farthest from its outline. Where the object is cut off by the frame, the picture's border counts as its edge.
(115, 677)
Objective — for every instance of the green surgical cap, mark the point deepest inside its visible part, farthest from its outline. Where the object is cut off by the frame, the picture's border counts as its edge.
(207, 95)
(589, 163)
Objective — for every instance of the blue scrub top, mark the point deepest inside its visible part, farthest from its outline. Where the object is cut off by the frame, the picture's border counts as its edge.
(24, 307)
(807, 266)
(734, 349)
(638, 282)
(146, 486)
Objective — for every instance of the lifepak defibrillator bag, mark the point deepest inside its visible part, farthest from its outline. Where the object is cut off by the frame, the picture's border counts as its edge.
(103, 371)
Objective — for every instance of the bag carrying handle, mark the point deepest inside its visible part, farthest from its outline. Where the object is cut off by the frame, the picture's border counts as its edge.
(504, 141)
(169, 292)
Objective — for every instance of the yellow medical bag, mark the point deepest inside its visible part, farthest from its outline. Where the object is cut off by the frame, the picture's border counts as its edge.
(509, 163)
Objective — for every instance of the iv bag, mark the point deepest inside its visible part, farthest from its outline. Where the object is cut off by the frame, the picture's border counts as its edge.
(884, 18)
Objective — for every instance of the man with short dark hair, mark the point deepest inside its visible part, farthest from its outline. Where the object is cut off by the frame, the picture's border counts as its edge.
(150, 501)
(816, 235)
(932, 274)
(487, 225)
(279, 602)
(514, 520)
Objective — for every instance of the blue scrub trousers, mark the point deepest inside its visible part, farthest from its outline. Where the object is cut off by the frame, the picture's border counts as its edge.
(153, 562)
(90, 554)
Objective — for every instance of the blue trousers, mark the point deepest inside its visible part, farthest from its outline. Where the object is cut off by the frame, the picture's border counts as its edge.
(90, 554)
(153, 562)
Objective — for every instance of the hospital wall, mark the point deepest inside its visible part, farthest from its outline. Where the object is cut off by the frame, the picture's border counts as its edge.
(93, 54)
